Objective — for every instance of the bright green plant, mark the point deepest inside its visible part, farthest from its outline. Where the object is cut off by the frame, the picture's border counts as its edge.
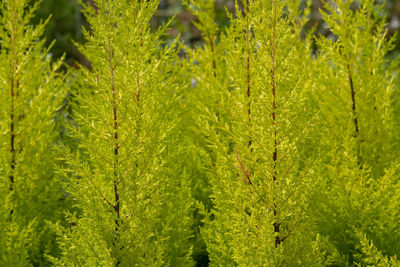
(359, 165)
(288, 143)
(252, 92)
(371, 256)
(31, 93)
(132, 195)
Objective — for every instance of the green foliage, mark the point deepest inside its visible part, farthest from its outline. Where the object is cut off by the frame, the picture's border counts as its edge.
(252, 95)
(372, 256)
(31, 93)
(358, 171)
(267, 146)
(132, 196)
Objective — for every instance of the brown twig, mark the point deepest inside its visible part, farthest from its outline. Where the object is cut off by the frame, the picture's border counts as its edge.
(278, 240)
(247, 174)
(248, 75)
(117, 200)
(355, 116)
(291, 230)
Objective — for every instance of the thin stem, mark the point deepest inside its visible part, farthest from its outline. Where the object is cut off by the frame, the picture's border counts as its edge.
(278, 240)
(138, 89)
(12, 129)
(248, 75)
(212, 45)
(116, 206)
(14, 94)
(355, 116)
(115, 127)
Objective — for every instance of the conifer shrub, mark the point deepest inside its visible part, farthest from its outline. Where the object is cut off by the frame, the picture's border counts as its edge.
(131, 193)
(359, 165)
(252, 95)
(31, 93)
(266, 146)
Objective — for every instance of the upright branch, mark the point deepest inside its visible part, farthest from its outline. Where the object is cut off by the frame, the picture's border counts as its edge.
(275, 149)
(138, 90)
(116, 145)
(13, 90)
(210, 38)
(138, 81)
(14, 94)
(248, 75)
(138, 87)
(354, 110)
(116, 141)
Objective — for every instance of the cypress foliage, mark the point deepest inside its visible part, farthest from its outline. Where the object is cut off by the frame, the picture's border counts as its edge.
(31, 92)
(289, 143)
(252, 93)
(359, 168)
(132, 197)
(371, 256)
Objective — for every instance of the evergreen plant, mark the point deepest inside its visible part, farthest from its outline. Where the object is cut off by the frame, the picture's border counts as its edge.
(31, 93)
(359, 163)
(287, 141)
(252, 92)
(132, 196)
